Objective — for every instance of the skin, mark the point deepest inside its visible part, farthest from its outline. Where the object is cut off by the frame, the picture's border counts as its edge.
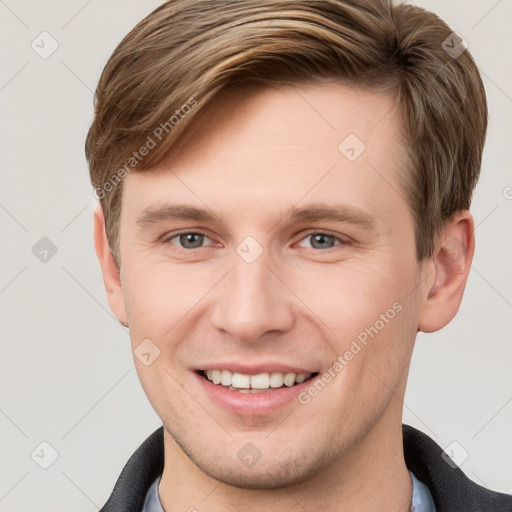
(259, 152)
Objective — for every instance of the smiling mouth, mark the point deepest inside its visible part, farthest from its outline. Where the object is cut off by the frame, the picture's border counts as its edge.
(260, 383)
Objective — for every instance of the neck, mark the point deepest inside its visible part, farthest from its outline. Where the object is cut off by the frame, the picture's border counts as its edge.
(371, 476)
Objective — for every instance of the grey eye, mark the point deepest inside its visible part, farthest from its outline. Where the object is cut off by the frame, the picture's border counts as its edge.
(321, 240)
(190, 240)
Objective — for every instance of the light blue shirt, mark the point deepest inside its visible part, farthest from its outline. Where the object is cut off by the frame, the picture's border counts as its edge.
(152, 501)
(421, 498)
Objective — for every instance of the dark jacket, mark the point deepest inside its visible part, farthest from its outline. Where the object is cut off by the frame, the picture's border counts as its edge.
(451, 489)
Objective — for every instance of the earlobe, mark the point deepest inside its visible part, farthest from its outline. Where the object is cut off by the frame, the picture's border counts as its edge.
(452, 262)
(109, 268)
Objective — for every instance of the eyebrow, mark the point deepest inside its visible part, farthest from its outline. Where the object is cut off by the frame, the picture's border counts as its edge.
(154, 215)
(311, 213)
(334, 213)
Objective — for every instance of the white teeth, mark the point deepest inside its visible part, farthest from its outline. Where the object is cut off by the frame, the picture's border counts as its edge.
(260, 381)
(276, 380)
(240, 381)
(289, 379)
(225, 378)
(301, 377)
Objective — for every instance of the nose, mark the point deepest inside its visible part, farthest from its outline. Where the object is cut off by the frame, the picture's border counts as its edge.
(253, 301)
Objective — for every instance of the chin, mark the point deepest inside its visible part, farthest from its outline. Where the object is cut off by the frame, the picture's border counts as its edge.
(276, 475)
(266, 474)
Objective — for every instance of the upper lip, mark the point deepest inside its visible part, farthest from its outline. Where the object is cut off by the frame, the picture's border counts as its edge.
(255, 369)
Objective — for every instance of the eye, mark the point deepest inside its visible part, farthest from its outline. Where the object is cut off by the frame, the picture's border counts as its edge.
(321, 240)
(188, 240)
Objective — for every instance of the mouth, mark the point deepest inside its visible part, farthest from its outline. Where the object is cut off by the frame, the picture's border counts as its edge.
(258, 383)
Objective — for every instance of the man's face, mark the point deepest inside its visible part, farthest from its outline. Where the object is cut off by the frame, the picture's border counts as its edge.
(266, 288)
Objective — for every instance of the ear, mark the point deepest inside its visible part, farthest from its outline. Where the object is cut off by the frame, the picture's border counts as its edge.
(111, 276)
(452, 262)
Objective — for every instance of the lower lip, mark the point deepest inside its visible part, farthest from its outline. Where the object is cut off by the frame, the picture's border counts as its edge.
(252, 404)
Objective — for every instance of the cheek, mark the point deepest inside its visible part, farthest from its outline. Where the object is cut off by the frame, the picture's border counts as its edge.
(376, 344)
(158, 296)
(351, 296)
(370, 320)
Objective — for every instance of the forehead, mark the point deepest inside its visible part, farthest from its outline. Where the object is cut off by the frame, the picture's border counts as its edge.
(308, 118)
(325, 142)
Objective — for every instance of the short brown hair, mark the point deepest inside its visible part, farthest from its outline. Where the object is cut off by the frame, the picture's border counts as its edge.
(177, 59)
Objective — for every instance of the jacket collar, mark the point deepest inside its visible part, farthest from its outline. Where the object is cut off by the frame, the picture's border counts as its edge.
(451, 489)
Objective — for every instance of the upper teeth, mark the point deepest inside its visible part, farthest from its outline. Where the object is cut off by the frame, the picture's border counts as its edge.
(260, 381)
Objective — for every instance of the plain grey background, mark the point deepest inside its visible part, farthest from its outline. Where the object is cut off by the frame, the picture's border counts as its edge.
(67, 373)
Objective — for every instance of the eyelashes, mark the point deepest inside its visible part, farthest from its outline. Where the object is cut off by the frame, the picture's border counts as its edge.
(198, 237)
(343, 240)
(183, 234)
